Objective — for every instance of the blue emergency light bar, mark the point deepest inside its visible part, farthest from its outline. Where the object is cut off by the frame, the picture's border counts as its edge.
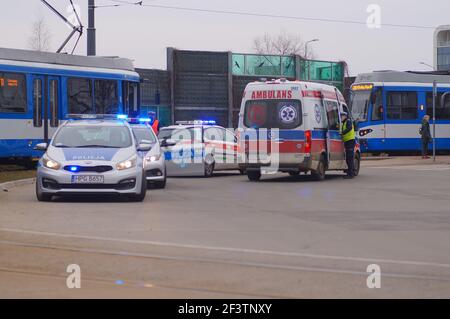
(122, 116)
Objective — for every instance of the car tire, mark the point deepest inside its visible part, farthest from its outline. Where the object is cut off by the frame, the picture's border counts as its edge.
(357, 164)
(209, 169)
(320, 172)
(42, 197)
(141, 196)
(294, 173)
(254, 176)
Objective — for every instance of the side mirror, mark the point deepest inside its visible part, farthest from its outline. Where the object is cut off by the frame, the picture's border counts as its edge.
(41, 147)
(142, 147)
(168, 143)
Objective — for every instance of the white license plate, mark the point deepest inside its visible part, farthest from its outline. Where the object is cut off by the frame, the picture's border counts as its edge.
(88, 179)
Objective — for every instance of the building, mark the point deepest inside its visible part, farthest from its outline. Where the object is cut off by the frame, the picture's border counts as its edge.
(209, 85)
(442, 48)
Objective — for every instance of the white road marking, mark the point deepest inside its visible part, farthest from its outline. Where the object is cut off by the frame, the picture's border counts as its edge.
(228, 249)
(228, 262)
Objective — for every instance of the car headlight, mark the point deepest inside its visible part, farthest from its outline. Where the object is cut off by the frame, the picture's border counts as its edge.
(152, 158)
(129, 163)
(49, 163)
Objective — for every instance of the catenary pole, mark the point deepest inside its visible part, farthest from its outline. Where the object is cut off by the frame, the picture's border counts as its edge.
(91, 50)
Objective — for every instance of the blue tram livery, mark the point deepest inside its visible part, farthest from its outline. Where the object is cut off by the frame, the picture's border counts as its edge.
(389, 107)
(39, 90)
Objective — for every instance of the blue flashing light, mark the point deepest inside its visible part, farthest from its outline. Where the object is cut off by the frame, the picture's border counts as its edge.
(122, 116)
(74, 169)
(145, 120)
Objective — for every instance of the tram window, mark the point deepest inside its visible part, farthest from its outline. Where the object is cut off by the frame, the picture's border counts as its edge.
(442, 112)
(402, 105)
(129, 93)
(377, 106)
(54, 103)
(13, 93)
(79, 93)
(37, 103)
(106, 101)
(359, 105)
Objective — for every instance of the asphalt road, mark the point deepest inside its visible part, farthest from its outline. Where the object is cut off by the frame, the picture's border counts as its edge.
(225, 237)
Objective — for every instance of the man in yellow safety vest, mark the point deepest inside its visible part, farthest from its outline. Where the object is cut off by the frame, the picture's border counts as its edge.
(348, 137)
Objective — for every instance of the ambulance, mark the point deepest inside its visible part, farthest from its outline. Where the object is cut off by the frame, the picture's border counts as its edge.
(292, 127)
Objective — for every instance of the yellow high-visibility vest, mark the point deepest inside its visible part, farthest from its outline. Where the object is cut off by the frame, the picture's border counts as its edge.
(349, 135)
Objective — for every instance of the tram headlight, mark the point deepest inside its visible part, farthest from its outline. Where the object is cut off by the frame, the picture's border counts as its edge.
(49, 163)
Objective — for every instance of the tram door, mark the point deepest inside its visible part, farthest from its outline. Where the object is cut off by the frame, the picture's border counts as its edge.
(46, 105)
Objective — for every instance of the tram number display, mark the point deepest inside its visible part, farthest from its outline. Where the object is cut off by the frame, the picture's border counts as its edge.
(8, 82)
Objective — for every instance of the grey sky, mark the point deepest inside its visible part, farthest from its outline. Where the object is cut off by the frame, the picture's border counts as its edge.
(144, 33)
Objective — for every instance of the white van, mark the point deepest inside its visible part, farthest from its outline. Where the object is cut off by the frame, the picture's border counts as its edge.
(292, 127)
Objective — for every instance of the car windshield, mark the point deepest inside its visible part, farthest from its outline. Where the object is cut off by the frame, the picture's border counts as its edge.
(144, 133)
(181, 134)
(359, 105)
(93, 136)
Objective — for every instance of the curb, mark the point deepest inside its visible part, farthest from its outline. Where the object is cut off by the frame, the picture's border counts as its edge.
(4, 187)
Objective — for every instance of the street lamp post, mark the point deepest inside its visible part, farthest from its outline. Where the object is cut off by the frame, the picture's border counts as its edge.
(306, 54)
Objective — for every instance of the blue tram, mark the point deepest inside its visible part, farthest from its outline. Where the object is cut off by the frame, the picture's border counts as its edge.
(39, 90)
(389, 107)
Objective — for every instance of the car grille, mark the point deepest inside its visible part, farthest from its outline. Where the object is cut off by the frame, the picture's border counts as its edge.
(97, 169)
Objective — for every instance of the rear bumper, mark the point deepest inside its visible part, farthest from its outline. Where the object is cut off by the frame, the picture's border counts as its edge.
(305, 164)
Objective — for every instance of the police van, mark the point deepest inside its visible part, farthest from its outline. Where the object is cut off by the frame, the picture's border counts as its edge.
(292, 127)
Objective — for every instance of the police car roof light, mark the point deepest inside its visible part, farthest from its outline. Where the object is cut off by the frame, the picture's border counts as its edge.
(197, 122)
(122, 116)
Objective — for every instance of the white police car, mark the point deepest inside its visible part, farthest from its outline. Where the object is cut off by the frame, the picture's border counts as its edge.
(154, 162)
(90, 157)
(198, 148)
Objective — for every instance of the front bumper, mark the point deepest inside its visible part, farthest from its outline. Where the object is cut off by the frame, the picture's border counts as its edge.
(115, 182)
(155, 171)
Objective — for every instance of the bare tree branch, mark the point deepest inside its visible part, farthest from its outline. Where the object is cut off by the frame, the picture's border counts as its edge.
(281, 44)
(40, 36)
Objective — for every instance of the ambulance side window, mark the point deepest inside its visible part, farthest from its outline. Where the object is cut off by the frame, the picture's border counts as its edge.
(332, 115)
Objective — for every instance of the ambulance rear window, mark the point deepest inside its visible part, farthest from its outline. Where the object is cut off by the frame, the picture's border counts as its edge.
(282, 114)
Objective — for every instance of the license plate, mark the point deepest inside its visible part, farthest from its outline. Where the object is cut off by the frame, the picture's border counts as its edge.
(88, 179)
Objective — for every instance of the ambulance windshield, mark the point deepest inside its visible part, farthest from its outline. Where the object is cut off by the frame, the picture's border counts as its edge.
(281, 114)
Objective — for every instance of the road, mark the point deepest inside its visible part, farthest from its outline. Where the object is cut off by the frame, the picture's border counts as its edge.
(225, 237)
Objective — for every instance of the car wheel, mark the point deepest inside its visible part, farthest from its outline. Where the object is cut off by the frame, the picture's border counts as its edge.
(209, 169)
(161, 184)
(42, 197)
(357, 164)
(254, 176)
(319, 173)
(294, 173)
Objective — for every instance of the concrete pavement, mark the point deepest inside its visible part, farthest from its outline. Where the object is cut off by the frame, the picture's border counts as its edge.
(227, 237)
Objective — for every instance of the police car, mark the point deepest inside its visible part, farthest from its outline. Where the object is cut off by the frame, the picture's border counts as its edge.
(154, 162)
(198, 148)
(92, 156)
